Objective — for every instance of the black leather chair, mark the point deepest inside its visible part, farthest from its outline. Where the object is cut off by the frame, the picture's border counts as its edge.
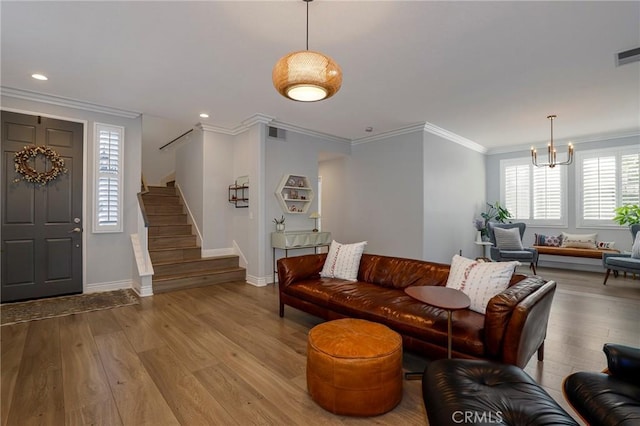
(478, 392)
(611, 397)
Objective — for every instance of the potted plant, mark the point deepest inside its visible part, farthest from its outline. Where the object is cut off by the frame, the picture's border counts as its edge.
(495, 212)
(279, 223)
(628, 214)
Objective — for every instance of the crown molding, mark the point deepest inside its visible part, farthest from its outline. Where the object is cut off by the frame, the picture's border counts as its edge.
(66, 102)
(386, 135)
(243, 126)
(460, 140)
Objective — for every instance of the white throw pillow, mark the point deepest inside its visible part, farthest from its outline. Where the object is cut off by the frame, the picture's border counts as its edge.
(480, 280)
(508, 238)
(635, 249)
(579, 240)
(343, 261)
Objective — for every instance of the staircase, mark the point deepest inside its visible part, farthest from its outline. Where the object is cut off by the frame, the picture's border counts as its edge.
(173, 249)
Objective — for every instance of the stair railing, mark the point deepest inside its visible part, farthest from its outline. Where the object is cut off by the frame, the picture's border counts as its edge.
(175, 140)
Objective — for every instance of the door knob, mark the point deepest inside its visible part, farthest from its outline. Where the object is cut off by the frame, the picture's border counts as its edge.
(75, 230)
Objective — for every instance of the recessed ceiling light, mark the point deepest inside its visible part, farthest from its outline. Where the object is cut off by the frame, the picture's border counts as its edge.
(40, 77)
(204, 115)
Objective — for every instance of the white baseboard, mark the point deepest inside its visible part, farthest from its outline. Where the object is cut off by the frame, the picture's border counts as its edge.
(144, 288)
(108, 286)
(242, 260)
(257, 281)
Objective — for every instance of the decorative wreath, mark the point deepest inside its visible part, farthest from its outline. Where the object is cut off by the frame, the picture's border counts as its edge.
(32, 175)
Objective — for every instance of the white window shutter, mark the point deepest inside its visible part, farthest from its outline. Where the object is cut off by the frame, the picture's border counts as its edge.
(108, 190)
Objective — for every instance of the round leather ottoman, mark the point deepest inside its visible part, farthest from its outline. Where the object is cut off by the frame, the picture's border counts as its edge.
(354, 367)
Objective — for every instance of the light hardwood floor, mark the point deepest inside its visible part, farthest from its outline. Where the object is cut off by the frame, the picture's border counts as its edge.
(220, 355)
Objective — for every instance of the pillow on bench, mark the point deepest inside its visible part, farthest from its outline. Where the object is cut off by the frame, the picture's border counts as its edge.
(547, 240)
(579, 240)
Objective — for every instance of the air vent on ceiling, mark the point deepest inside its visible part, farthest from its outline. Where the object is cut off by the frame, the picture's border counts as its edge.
(628, 56)
(274, 132)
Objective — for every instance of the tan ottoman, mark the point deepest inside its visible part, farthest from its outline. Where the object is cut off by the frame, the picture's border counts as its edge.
(354, 367)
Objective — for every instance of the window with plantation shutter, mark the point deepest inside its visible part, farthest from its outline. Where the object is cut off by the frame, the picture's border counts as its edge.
(534, 195)
(108, 185)
(609, 178)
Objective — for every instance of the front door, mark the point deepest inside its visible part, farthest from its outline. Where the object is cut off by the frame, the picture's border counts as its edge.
(41, 223)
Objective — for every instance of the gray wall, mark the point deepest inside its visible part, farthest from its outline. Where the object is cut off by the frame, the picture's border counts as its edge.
(108, 257)
(156, 132)
(385, 196)
(297, 154)
(189, 177)
(454, 194)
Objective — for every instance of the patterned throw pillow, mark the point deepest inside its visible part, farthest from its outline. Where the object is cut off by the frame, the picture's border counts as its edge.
(480, 280)
(579, 240)
(606, 245)
(553, 241)
(343, 261)
(508, 238)
(547, 240)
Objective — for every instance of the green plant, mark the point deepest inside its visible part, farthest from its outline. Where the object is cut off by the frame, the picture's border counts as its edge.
(279, 221)
(496, 212)
(628, 214)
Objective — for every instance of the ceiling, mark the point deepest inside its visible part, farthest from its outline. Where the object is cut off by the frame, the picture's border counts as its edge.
(490, 72)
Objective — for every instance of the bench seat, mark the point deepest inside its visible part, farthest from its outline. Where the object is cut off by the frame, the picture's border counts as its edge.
(575, 252)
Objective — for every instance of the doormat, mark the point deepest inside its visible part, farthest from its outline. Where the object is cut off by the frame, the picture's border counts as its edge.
(13, 313)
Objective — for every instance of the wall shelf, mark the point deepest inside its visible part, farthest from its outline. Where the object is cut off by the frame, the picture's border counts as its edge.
(239, 195)
(294, 193)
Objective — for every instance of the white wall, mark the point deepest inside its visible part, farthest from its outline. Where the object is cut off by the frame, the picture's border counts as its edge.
(189, 177)
(620, 235)
(217, 176)
(156, 132)
(454, 194)
(108, 257)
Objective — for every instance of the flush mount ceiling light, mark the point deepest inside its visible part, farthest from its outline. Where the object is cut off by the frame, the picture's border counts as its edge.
(204, 115)
(551, 152)
(306, 75)
(39, 77)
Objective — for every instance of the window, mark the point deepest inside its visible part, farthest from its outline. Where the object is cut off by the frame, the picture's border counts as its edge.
(609, 178)
(108, 183)
(535, 195)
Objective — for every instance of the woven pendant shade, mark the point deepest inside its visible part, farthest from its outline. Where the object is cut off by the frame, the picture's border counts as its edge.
(307, 76)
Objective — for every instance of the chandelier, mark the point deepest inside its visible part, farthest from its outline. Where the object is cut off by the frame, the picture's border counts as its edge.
(306, 75)
(551, 152)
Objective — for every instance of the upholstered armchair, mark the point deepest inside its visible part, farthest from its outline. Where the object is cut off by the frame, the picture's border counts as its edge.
(511, 251)
(611, 397)
(621, 262)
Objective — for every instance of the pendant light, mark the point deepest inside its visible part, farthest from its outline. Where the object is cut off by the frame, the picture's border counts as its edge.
(551, 152)
(307, 75)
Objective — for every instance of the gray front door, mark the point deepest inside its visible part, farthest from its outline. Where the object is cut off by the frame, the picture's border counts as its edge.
(41, 224)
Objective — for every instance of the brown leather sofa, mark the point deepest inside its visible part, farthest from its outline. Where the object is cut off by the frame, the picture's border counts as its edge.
(512, 330)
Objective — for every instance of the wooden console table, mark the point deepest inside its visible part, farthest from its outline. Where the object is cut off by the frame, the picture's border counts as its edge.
(294, 240)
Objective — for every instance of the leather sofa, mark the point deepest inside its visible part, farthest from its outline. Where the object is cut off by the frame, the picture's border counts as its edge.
(611, 397)
(512, 330)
